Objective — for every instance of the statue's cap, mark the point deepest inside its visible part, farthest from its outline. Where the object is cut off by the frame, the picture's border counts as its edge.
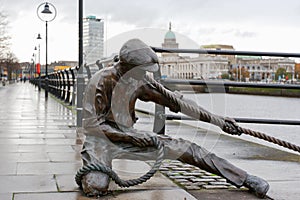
(136, 53)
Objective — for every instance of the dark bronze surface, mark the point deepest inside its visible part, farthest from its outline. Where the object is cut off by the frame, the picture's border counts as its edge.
(109, 116)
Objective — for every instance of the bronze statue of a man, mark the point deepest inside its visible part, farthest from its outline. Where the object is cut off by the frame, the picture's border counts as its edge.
(109, 116)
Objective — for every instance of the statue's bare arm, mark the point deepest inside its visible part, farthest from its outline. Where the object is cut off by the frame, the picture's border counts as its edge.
(149, 93)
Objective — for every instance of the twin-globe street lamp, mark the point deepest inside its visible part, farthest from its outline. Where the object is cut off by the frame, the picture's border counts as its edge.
(47, 13)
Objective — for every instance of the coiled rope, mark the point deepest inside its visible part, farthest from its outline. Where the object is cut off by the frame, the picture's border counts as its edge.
(226, 125)
(124, 183)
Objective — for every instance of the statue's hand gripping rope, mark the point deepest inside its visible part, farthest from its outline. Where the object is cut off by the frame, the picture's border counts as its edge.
(228, 125)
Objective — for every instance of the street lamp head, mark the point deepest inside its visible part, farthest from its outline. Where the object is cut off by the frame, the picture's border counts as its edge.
(46, 9)
(39, 37)
(46, 12)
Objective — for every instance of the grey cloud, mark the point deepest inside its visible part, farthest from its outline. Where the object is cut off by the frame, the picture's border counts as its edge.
(140, 13)
(144, 13)
(245, 34)
(238, 33)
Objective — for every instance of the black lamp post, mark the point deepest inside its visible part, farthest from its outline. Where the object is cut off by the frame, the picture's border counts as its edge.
(80, 77)
(38, 67)
(45, 14)
(33, 65)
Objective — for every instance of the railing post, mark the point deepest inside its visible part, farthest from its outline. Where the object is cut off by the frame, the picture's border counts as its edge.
(49, 84)
(159, 115)
(99, 64)
(72, 103)
(79, 94)
(68, 87)
(88, 71)
(59, 85)
(63, 94)
(39, 82)
(80, 77)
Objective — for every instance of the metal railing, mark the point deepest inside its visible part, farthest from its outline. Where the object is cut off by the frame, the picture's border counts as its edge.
(61, 84)
(226, 52)
(228, 84)
(160, 115)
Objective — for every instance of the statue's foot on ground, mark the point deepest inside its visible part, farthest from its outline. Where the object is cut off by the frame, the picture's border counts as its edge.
(95, 184)
(257, 185)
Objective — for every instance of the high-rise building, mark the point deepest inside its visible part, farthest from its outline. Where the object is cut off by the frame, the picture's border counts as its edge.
(93, 39)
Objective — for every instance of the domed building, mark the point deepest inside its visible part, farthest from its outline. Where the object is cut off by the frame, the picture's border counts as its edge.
(169, 60)
(170, 42)
(170, 39)
(177, 66)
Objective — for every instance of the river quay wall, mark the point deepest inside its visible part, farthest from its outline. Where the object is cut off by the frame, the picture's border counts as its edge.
(237, 90)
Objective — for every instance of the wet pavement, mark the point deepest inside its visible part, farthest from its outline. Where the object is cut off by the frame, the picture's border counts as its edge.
(40, 154)
(37, 141)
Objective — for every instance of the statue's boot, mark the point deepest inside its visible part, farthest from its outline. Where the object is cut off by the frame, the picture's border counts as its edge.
(257, 185)
(95, 184)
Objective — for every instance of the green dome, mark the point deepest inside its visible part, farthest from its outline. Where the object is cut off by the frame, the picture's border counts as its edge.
(170, 35)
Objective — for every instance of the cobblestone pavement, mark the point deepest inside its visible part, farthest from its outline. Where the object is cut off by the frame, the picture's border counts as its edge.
(191, 177)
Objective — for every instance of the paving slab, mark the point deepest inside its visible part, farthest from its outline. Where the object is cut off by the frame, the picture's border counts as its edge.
(128, 195)
(219, 194)
(29, 183)
(6, 196)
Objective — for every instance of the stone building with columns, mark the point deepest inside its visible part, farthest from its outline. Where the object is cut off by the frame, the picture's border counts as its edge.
(174, 65)
(261, 68)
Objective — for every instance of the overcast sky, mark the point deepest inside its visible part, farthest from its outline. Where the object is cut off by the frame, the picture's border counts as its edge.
(256, 25)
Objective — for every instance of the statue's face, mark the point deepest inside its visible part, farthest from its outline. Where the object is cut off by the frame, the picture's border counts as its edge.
(150, 67)
(137, 73)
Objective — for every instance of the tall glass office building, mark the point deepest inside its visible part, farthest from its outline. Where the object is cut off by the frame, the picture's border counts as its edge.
(93, 39)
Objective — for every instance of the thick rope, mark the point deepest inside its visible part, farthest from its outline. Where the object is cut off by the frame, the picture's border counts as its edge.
(124, 183)
(269, 139)
(226, 125)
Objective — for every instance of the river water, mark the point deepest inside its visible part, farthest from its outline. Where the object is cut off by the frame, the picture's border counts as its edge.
(251, 106)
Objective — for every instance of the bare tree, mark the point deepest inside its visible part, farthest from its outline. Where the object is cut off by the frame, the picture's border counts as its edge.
(4, 37)
(11, 65)
(8, 61)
